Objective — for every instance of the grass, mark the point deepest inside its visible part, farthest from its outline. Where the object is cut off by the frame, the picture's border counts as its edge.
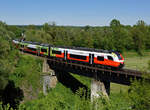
(83, 79)
(117, 88)
(134, 61)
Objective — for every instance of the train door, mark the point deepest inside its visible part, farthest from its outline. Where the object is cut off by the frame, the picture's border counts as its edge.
(91, 58)
(38, 50)
(110, 61)
(65, 54)
(49, 47)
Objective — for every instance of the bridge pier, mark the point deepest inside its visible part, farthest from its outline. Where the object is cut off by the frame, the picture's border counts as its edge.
(99, 88)
(49, 77)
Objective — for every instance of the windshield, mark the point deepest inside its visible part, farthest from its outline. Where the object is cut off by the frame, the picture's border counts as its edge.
(118, 54)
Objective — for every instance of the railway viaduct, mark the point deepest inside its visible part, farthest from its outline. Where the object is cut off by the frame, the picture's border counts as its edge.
(55, 69)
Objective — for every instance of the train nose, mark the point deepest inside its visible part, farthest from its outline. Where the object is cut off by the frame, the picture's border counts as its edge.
(121, 65)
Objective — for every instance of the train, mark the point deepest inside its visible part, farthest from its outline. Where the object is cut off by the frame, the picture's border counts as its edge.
(86, 56)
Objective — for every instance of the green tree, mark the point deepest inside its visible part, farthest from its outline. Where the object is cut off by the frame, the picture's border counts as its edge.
(115, 23)
(7, 54)
(139, 94)
(4, 52)
(139, 34)
(119, 35)
(147, 39)
(16, 30)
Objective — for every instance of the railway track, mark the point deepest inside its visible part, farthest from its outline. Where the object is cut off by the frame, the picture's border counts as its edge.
(122, 71)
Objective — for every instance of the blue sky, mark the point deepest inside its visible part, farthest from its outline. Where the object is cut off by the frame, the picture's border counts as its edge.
(74, 12)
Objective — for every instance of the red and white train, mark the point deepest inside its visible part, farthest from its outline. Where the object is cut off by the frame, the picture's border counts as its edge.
(101, 58)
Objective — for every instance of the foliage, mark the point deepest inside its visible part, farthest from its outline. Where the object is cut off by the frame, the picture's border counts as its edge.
(62, 98)
(59, 98)
(139, 94)
(114, 37)
(117, 101)
(27, 68)
(139, 35)
(6, 64)
(8, 59)
(119, 35)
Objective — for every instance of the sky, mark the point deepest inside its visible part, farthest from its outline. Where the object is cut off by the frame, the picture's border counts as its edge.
(74, 12)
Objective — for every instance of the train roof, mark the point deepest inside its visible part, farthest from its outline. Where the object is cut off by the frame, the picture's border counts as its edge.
(70, 47)
(26, 41)
(85, 49)
(47, 45)
(36, 43)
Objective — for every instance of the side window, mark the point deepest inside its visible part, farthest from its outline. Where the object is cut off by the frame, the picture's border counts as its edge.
(100, 58)
(33, 49)
(78, 56)
(56, 52)
(43, 50)
(110, 58)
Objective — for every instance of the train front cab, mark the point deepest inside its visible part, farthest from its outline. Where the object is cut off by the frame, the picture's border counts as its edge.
(121, 60)
(106, 60)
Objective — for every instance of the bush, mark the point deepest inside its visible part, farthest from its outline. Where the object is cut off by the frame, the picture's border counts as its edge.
(139, 94)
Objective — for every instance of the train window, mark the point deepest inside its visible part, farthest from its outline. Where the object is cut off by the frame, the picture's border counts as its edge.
(110, 58)
(56, 52)
(32, 49)
(78, 56)
(118, 55)
(43, 50)
(100, 58)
